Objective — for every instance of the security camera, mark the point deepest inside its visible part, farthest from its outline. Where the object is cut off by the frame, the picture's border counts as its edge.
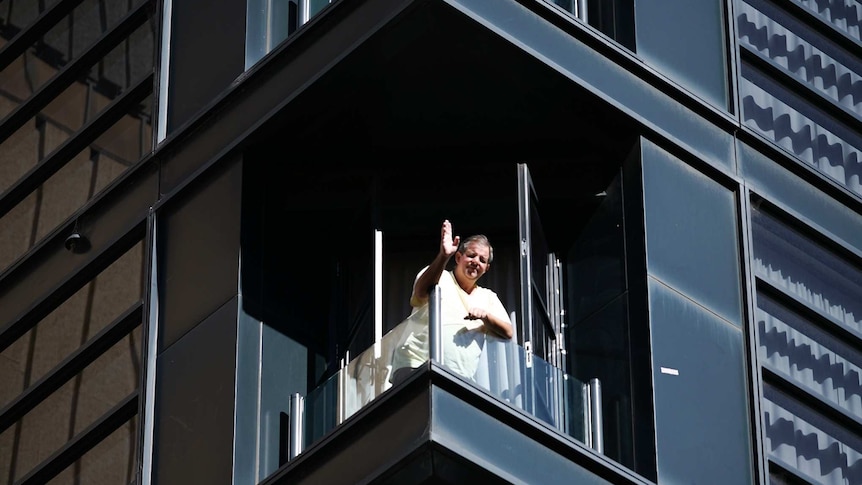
(77, 243)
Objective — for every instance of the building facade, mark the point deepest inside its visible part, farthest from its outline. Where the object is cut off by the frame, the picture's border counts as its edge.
(212, 214)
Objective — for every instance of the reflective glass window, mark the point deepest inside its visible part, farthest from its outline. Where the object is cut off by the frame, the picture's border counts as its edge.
(75, 183)
(71, 325)
(112, 460)
(270, 22)
(63, 43)
(82, 401)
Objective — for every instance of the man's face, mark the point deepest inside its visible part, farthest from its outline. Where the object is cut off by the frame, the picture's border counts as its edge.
(473, 263)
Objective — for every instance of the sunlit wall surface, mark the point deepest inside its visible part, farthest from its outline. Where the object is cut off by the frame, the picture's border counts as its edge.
(800, 85)
(810, 348)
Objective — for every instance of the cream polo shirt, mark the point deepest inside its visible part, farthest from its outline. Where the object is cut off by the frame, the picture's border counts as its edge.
(463, 339)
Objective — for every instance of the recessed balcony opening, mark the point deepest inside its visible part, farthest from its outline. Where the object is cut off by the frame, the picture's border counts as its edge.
(345, 193)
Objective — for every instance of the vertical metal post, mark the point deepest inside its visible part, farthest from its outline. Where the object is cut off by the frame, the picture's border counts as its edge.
(596, 432)
(582, 10)
(378, 293)
(297, 408)
(304, 11)
(341, 398)
(435, 350)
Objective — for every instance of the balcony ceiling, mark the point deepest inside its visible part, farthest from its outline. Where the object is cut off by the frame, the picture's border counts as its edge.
(434, 91)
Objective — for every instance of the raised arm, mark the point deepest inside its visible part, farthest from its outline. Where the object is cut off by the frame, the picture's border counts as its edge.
(430, 277)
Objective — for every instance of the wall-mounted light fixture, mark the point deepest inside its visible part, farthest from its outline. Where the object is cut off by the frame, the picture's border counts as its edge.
(77, 242)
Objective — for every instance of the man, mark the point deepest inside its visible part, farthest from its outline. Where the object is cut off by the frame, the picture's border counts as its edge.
(468, 311)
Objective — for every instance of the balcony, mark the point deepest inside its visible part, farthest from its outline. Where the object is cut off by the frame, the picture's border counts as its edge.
(519, 419)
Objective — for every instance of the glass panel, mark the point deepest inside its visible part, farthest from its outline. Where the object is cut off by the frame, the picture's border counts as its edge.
(22, 14)
(595, 269)
(813, 447)
(600, 349)
(21, 151)
(36, 66)
(81, 101)
(282, 372)
(614, 18)
(72, 408)
(808, 272)
(270, 22)
(537, 263)
(72, 324)
(77, 182)
(701, 430)
(692, 237)
(699, 63)
(559, 398)
(359, 382)
(800, 352)
(16, 229)
(112, 461)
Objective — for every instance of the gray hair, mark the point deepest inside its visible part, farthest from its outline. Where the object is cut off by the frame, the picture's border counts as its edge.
(478, 239)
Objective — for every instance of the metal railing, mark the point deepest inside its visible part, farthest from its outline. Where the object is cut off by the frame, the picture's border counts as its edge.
(555, 398)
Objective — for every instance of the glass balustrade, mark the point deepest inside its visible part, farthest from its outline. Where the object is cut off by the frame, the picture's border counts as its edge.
(506, 371)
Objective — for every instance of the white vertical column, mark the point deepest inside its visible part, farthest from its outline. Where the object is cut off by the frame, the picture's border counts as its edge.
(378, 292)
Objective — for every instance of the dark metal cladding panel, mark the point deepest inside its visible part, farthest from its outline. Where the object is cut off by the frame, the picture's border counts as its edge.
(194, 404)
(207, 54)
(198, 253)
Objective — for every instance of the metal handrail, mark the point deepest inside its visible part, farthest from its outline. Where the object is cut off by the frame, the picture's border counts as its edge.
(435, 349)
(297, 408)
(593, 415)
